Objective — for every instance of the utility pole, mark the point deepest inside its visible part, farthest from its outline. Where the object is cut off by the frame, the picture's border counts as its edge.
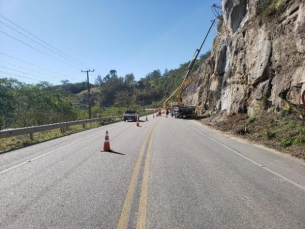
(89, 96)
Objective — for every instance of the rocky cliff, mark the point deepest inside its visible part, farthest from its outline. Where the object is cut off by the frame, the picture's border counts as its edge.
(257, 61)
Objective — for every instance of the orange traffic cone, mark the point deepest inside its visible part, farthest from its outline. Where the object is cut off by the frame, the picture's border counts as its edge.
(138, 121)
(107, 143)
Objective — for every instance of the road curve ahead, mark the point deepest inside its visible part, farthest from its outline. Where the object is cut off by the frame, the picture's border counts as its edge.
(164, 173)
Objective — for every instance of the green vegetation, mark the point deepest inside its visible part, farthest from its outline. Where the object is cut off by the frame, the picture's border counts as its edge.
(23, 105)
(278, 130)
(267, 134)
(288, 130)
(263, 5)
(269, 7)
(251, 120)
(28, 105)
(286, 142)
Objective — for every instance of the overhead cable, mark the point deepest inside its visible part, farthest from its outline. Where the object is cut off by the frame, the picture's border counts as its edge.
(38, 50)
(1, 53)
(22, 72)
(28, 69)
(42, 40)
(41, 44)
(19, 76)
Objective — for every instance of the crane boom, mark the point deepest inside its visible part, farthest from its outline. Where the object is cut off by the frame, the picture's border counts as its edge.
(186, 80)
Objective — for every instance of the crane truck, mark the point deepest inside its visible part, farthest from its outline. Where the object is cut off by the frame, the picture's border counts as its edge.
(177, 108)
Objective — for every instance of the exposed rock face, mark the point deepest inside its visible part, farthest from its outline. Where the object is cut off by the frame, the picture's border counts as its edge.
(257, 61)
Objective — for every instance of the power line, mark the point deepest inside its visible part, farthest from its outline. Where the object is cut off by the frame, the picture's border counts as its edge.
(23, 61)
(19, 76)
(37, 49)
(30, 69)
(40, 44)
(41, 40)
(21, 72)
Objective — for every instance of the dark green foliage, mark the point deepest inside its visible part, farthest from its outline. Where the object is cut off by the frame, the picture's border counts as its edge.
(205, 55)
(270, 8)
(268, 135)
(153, 89)
(73, 88)
(263, 5)
(27, 105)
(6, 101)
(299, 140)
(286, 142)
(251, 120)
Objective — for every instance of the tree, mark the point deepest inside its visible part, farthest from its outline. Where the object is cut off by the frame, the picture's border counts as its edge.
(65, 82)
(129, 79)
(123, 99)
(110, 86)
(165, 72)
(99, 81)
(7, 101)
(205, 55)
(113, 73)
(41, 104)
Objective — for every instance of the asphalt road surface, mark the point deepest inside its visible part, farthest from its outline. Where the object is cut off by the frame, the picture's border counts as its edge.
(166, 173)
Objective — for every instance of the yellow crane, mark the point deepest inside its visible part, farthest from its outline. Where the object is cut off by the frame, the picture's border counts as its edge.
(177, 107)
(178, 92)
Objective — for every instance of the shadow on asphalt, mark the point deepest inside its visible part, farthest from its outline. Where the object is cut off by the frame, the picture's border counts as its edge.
(114, 152)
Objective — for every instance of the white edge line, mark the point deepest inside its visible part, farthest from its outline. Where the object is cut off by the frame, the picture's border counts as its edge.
(254, 162)
(45, 154)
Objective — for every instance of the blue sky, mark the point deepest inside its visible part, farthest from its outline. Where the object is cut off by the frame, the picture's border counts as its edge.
(53, 40)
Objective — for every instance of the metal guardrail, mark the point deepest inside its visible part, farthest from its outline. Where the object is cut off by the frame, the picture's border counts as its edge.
(62, 125)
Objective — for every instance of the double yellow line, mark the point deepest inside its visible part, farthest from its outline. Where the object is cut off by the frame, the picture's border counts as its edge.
(125, 214)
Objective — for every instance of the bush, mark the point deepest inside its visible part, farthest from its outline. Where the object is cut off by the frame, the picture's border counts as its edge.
(251, 120)
(300, 140)
(301, 131)
(268, 135)
(292, 124)
(263, 5)
(286, 142)
(270, 7)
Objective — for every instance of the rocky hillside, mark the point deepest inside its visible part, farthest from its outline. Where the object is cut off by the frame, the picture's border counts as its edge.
(257, 61)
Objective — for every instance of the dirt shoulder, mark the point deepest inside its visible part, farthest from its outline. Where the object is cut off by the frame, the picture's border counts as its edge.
(282, 133)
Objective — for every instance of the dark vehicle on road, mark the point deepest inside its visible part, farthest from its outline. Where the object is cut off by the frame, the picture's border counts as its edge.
(130, 115)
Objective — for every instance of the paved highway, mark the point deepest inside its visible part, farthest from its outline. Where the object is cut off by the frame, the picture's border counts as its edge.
(167, 173)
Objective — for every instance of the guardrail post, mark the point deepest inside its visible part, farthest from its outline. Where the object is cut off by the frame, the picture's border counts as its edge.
(84, 125)
(32, 136)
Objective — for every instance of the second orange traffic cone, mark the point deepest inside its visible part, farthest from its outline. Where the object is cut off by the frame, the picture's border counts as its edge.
(107, 143)
(138, 121)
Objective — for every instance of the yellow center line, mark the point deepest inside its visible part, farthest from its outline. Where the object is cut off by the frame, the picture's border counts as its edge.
(141, 222)
(124, 218)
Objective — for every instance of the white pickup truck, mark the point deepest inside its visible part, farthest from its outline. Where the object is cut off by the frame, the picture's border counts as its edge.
(130, 115)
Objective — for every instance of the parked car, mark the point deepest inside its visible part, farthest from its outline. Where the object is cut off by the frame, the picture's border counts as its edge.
(130, 115)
